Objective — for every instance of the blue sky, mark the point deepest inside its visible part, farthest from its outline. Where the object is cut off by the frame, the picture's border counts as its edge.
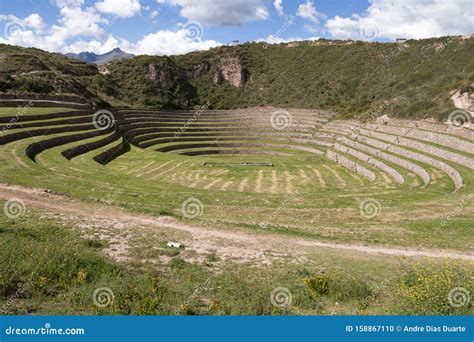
(178, 26)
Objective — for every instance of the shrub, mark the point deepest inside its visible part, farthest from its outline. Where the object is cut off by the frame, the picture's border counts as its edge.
(425, 289)
(338, 286)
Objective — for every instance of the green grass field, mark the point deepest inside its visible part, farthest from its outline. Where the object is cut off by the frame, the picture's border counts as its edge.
(278, 196)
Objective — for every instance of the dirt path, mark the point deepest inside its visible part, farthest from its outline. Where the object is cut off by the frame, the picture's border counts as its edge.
(227, 243)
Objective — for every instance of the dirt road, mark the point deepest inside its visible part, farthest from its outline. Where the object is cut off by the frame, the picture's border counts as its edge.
(231, 244)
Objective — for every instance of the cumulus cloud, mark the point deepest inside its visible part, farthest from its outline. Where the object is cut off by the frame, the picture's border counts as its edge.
(170, 43)
(272, 39)
(309, 12)
(121, 8)
(82, 29)
(68, 3)
(74, 21)
(279, 7)
(406, 18)
(222, 12)
(33, 21)
(97, 46)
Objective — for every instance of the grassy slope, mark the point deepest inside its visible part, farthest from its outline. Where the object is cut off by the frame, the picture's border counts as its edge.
(354, 79)
(61, 270)
(415, 79)
(49, 269)
(34, 71)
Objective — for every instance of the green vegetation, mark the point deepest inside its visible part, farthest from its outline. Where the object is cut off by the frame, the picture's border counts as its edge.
(272, 198)
(408, 80)
(48, 269)
(13, 112)
(422, 289)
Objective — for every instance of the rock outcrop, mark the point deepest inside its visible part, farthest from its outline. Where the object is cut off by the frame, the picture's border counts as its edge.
(230, 70)
(164, 77)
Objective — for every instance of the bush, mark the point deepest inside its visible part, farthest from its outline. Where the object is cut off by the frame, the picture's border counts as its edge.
(48, 265)
(338, 286)
(427, 289)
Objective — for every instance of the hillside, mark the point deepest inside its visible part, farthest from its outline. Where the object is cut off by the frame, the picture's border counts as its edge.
(33, 71)
(413, 79)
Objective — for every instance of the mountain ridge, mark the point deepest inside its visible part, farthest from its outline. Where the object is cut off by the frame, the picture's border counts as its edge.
(413, 79)
(100, 59)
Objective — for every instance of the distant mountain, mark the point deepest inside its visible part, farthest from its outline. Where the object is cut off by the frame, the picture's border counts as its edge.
(90, 57)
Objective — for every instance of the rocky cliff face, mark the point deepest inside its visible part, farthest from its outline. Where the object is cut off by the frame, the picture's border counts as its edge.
(164, 77)
(231, 70)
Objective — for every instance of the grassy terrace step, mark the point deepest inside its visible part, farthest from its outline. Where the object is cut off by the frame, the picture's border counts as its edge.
(412, 167)
(143, 134)
(184, 146)
(450, 171)
(432, 137)
(36, 148)
(24, 118)
(326, 195)
(129, 130)
(208, 152)
(204, 119)
(211, 126)
(351, 165)
(12, 112)
(427, 148)
(112, 153)
(371, 161)
(86, 118)
(431, 127)
(231, 119)
(84, 147)
(146, 141)
(25, 134)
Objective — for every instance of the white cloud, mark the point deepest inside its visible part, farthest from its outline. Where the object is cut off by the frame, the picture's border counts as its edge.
(309, 12)
(154, 14)
(170, 43)
(279, 7)
(262, 13)
(121, 8)
(222, 12)
(406, 18)
(33, 21)
(96, 46)
(68, 3)
(271, 39)
(75, 21)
